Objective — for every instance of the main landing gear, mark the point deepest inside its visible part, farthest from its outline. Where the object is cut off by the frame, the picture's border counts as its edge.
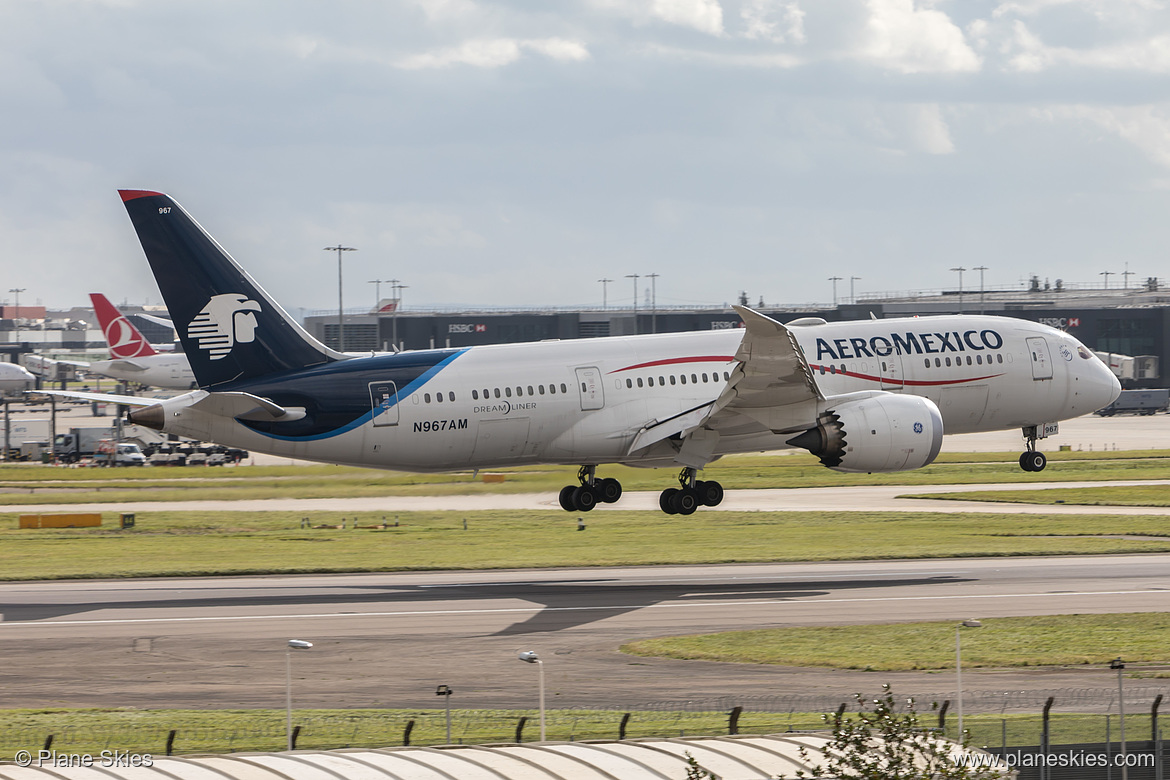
(591, 491)
(690, 495)
(1033, 459)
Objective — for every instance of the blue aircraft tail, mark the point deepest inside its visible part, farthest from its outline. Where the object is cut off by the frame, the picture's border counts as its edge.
(230, 328)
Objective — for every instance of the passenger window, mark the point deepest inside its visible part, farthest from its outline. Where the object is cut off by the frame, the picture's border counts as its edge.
(842, 368)
(519, 391)
(474, 395)
(508, 391)
(683, 378)
(937, 363)
(968, 360)
(451, 396)
(584, 388)
(927, 362)
(497, 392)
(884, 365)
(726, 377)
(438, 398)
(629, 382)
(662, 381)
(541, 388)
(639, 381)
(694, 379)
(563, 388)
(948, 362)
(650, 381)
(427, 397)
(672, 380)
(414, 397)
(832, 369)
(530, 390)
(552, 389)
(979, 359)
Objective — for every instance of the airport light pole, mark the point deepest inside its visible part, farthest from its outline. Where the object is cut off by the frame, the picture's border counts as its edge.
(959, 667)
(653, 302)
(293, 644)
(340, 311)
(1117, 664)
(635, 278)
(980, 269)
(1106, 274)
(16, 319)
(852, 297)
(396, 287)
(530, 657)
(834, 280)
(960, 269)
(377, 290)
(604, 293)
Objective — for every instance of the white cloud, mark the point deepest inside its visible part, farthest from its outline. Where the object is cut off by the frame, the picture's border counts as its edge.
(910, 39)
(1029, 54)
(1146, 127)
(779, 21)
(929, 131)
(496, 53)
(703, 15)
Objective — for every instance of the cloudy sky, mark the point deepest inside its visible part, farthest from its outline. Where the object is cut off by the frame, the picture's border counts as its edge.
(515, 152)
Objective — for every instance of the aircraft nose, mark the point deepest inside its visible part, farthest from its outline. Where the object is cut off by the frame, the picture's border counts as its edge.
(1105, 381)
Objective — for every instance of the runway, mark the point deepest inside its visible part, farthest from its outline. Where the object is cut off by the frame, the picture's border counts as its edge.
(873, 498)
(386, 640)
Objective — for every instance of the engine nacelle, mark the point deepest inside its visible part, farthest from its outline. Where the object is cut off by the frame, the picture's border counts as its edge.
(883, 432)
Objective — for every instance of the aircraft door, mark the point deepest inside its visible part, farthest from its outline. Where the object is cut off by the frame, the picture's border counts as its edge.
(589, 385)
(384, 403)
(890, 371)
(1041, 358)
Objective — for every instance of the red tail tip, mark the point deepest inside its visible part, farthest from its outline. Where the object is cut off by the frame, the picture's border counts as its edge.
(135, 194)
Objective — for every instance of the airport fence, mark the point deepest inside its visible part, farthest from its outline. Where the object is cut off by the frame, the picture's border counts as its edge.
(1004, 723)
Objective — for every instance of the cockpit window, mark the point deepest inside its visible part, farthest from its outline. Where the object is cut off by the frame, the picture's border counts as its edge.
(1083, 352)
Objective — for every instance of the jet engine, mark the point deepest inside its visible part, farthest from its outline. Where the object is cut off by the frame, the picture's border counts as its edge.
(881, 432)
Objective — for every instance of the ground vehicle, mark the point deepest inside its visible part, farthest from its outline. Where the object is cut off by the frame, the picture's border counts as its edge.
(113, 453)
(80, 443)
(1138, 402)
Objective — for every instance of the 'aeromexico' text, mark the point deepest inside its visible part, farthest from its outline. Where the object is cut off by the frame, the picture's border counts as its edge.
(910, 344)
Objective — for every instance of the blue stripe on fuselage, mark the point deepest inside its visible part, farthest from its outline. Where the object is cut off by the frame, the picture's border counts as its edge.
(336, 397)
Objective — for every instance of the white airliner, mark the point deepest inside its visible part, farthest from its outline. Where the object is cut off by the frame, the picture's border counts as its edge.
(869, 396)
(132, 358)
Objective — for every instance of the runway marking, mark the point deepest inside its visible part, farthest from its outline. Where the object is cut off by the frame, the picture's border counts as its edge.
(521, 610)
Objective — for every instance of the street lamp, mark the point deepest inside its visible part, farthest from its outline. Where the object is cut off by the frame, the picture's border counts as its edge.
(530, 657)
(834, 280)
(959, 667)
(293, 644)
(960, 269)
(340, 325)
(16, 319)
(604, 292)
(653, 302)
(1106, 274)
(635, 278)
(397, 288)
(852, 297)
(377, 290)
(980, 269)
(445, 691)
(1117, 664)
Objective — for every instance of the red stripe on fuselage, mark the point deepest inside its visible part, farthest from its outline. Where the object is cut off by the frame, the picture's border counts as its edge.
(675, 361)
(904, 382)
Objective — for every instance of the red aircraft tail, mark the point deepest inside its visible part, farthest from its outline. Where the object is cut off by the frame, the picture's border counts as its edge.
(124, 339)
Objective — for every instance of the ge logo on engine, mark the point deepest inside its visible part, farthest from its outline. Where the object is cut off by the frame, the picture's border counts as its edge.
(918, 427)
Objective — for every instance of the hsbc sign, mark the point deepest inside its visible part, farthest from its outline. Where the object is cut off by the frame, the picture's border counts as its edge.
(1061, 323)
(466, 328)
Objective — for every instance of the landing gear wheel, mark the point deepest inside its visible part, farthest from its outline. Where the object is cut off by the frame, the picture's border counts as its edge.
(666, 501)
(710, 492)
(566, 498)
(611, 490)
(1033, 461)
(685, 501)
(584, 499)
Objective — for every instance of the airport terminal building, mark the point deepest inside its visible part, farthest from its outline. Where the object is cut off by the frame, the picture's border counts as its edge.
(1125, 322)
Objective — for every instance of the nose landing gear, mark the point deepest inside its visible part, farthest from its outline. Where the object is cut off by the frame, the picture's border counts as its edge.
(690, 495)
(1033, 459)
(591, 491)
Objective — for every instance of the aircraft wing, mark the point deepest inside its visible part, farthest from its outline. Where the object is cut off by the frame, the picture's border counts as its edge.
(156, 320)
(105, 398)
(121, 364)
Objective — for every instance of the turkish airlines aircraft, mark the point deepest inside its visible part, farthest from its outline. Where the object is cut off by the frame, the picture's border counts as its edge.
(132, 358)
(866, 396)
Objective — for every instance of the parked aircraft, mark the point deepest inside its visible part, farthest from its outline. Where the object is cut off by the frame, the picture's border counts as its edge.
(15, 379)
(133, 359)
(869, 396)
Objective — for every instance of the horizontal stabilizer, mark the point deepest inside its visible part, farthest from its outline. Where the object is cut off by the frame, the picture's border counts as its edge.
(245, 406)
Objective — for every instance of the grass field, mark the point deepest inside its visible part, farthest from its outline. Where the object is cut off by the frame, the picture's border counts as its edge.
(1057, 640)
(25, 484)
(223, 731)
(196, 543)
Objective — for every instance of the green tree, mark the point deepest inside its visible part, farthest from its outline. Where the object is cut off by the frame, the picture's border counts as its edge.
(880, 743)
